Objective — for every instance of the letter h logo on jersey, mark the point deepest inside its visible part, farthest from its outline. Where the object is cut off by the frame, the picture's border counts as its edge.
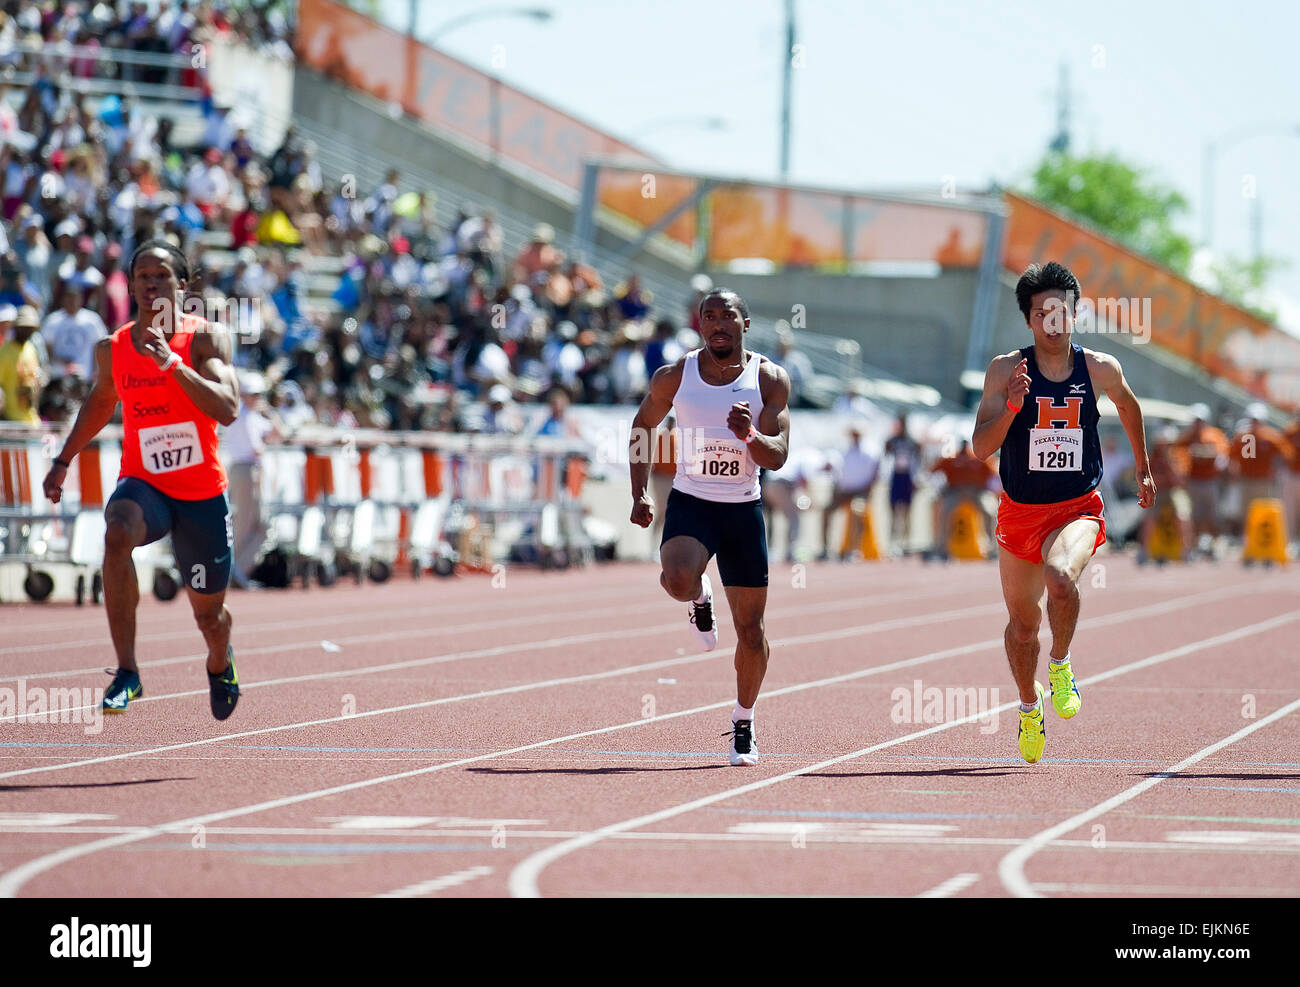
(1051, 414)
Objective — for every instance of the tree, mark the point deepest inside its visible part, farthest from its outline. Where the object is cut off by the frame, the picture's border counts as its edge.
(1121, 200)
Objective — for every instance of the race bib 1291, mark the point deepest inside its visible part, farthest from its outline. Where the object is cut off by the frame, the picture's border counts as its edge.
(1056, 450)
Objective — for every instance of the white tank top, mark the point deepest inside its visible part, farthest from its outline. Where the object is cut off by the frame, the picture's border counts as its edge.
(714, 464)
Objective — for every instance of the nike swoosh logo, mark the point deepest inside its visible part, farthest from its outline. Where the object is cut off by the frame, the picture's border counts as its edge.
(740, 388)
(221, 559)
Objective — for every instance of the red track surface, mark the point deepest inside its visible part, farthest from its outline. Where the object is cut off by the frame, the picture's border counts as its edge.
(561, 736)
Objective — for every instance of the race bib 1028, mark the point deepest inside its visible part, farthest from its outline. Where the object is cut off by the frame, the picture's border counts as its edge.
(165, 448)
(719, 458)
(1056, 450)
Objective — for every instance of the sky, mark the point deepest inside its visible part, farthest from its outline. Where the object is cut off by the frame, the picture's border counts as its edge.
(900, 95)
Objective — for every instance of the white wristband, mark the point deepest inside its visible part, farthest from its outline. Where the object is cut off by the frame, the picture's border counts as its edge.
(173, 358)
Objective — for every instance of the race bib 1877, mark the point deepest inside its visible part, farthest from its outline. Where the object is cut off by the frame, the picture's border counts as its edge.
(164, 448)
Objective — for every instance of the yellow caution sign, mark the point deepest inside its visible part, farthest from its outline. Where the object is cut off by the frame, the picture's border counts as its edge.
(1265, 532)
(860, 508)
(1165, 542)
(966, 537)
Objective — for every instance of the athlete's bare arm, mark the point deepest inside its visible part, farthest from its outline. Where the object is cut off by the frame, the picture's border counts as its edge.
(212, 385)
(1108, 376)
(95, 413)
(771, 445)
(1006, 381)
(641, 446)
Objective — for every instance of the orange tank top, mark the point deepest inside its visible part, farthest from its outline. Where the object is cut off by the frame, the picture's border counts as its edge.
(167, 441)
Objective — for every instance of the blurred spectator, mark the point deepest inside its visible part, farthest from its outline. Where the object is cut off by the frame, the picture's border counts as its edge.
(1291, 481)
(1171, 504)
(243, 442)
(501, 416)
(701, 285)
(633, 301)
(968, 478)
(855, 470)
(854, 401)
(558, 421)
(70, 334)
(538, 255)
(1206, 450)
(797, 365)
(116, 310)
(663, 349)
(20, 365)
(782, 490)
(905, 455)
(34, 254)
(1259, 455)
(80, 274)
(14, 288)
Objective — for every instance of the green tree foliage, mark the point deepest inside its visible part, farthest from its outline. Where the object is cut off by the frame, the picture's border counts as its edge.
(1122, 201)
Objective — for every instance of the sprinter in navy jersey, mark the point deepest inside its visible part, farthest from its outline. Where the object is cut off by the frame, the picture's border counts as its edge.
(1040, 407)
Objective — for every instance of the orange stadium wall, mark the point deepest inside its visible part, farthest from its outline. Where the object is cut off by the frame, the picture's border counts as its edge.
(1226, 341)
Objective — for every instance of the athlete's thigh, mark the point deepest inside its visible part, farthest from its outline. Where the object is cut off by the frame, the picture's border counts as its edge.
(202, 541)
(684, 553)
(1022, 587)
(1070, 547)
(144, 511)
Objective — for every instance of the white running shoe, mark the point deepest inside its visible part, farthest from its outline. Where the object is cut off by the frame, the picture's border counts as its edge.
(702, 622)
(744, 748)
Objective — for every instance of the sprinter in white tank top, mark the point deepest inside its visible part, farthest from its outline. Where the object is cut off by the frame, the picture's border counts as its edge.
(731, 408)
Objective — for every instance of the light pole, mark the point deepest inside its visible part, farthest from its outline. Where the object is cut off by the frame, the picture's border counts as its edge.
(1209, 161)
(786, 83)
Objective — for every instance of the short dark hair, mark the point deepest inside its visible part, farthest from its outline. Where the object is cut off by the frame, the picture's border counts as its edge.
(179, 261)
(726, 293)
(1050, 277)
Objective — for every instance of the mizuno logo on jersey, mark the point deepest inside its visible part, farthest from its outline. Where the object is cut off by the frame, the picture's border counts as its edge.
(1052, 415)
(1078, 388)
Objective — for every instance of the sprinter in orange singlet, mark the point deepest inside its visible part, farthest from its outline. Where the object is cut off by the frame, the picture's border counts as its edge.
(173, 376)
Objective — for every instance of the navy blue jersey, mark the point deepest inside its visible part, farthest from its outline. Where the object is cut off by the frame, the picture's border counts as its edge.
(1052, 452)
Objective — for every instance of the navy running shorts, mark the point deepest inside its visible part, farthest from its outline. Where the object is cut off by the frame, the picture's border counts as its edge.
(901, 489)
(733, 532)
(200, 530)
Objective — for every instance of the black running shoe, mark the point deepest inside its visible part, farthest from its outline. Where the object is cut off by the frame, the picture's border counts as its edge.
(744, 749)
(224, 688)
(702, 617)
(124, 687)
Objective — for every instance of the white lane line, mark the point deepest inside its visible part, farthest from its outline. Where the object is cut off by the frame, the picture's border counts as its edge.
(950, 887)
(877, 627)
(438, 884)
(11, 882)
(366, 611)
(523, 879)
(560, 642)
(783, 838)
(1166, 606)
(314, 642)
(1011, 869)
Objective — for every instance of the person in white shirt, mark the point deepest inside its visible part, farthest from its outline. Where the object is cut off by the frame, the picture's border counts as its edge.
(243, 442)
(854, 478)
(71, 333)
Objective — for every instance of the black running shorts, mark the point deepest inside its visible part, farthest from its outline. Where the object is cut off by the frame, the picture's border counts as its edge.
(200, 530)
(733, 532)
